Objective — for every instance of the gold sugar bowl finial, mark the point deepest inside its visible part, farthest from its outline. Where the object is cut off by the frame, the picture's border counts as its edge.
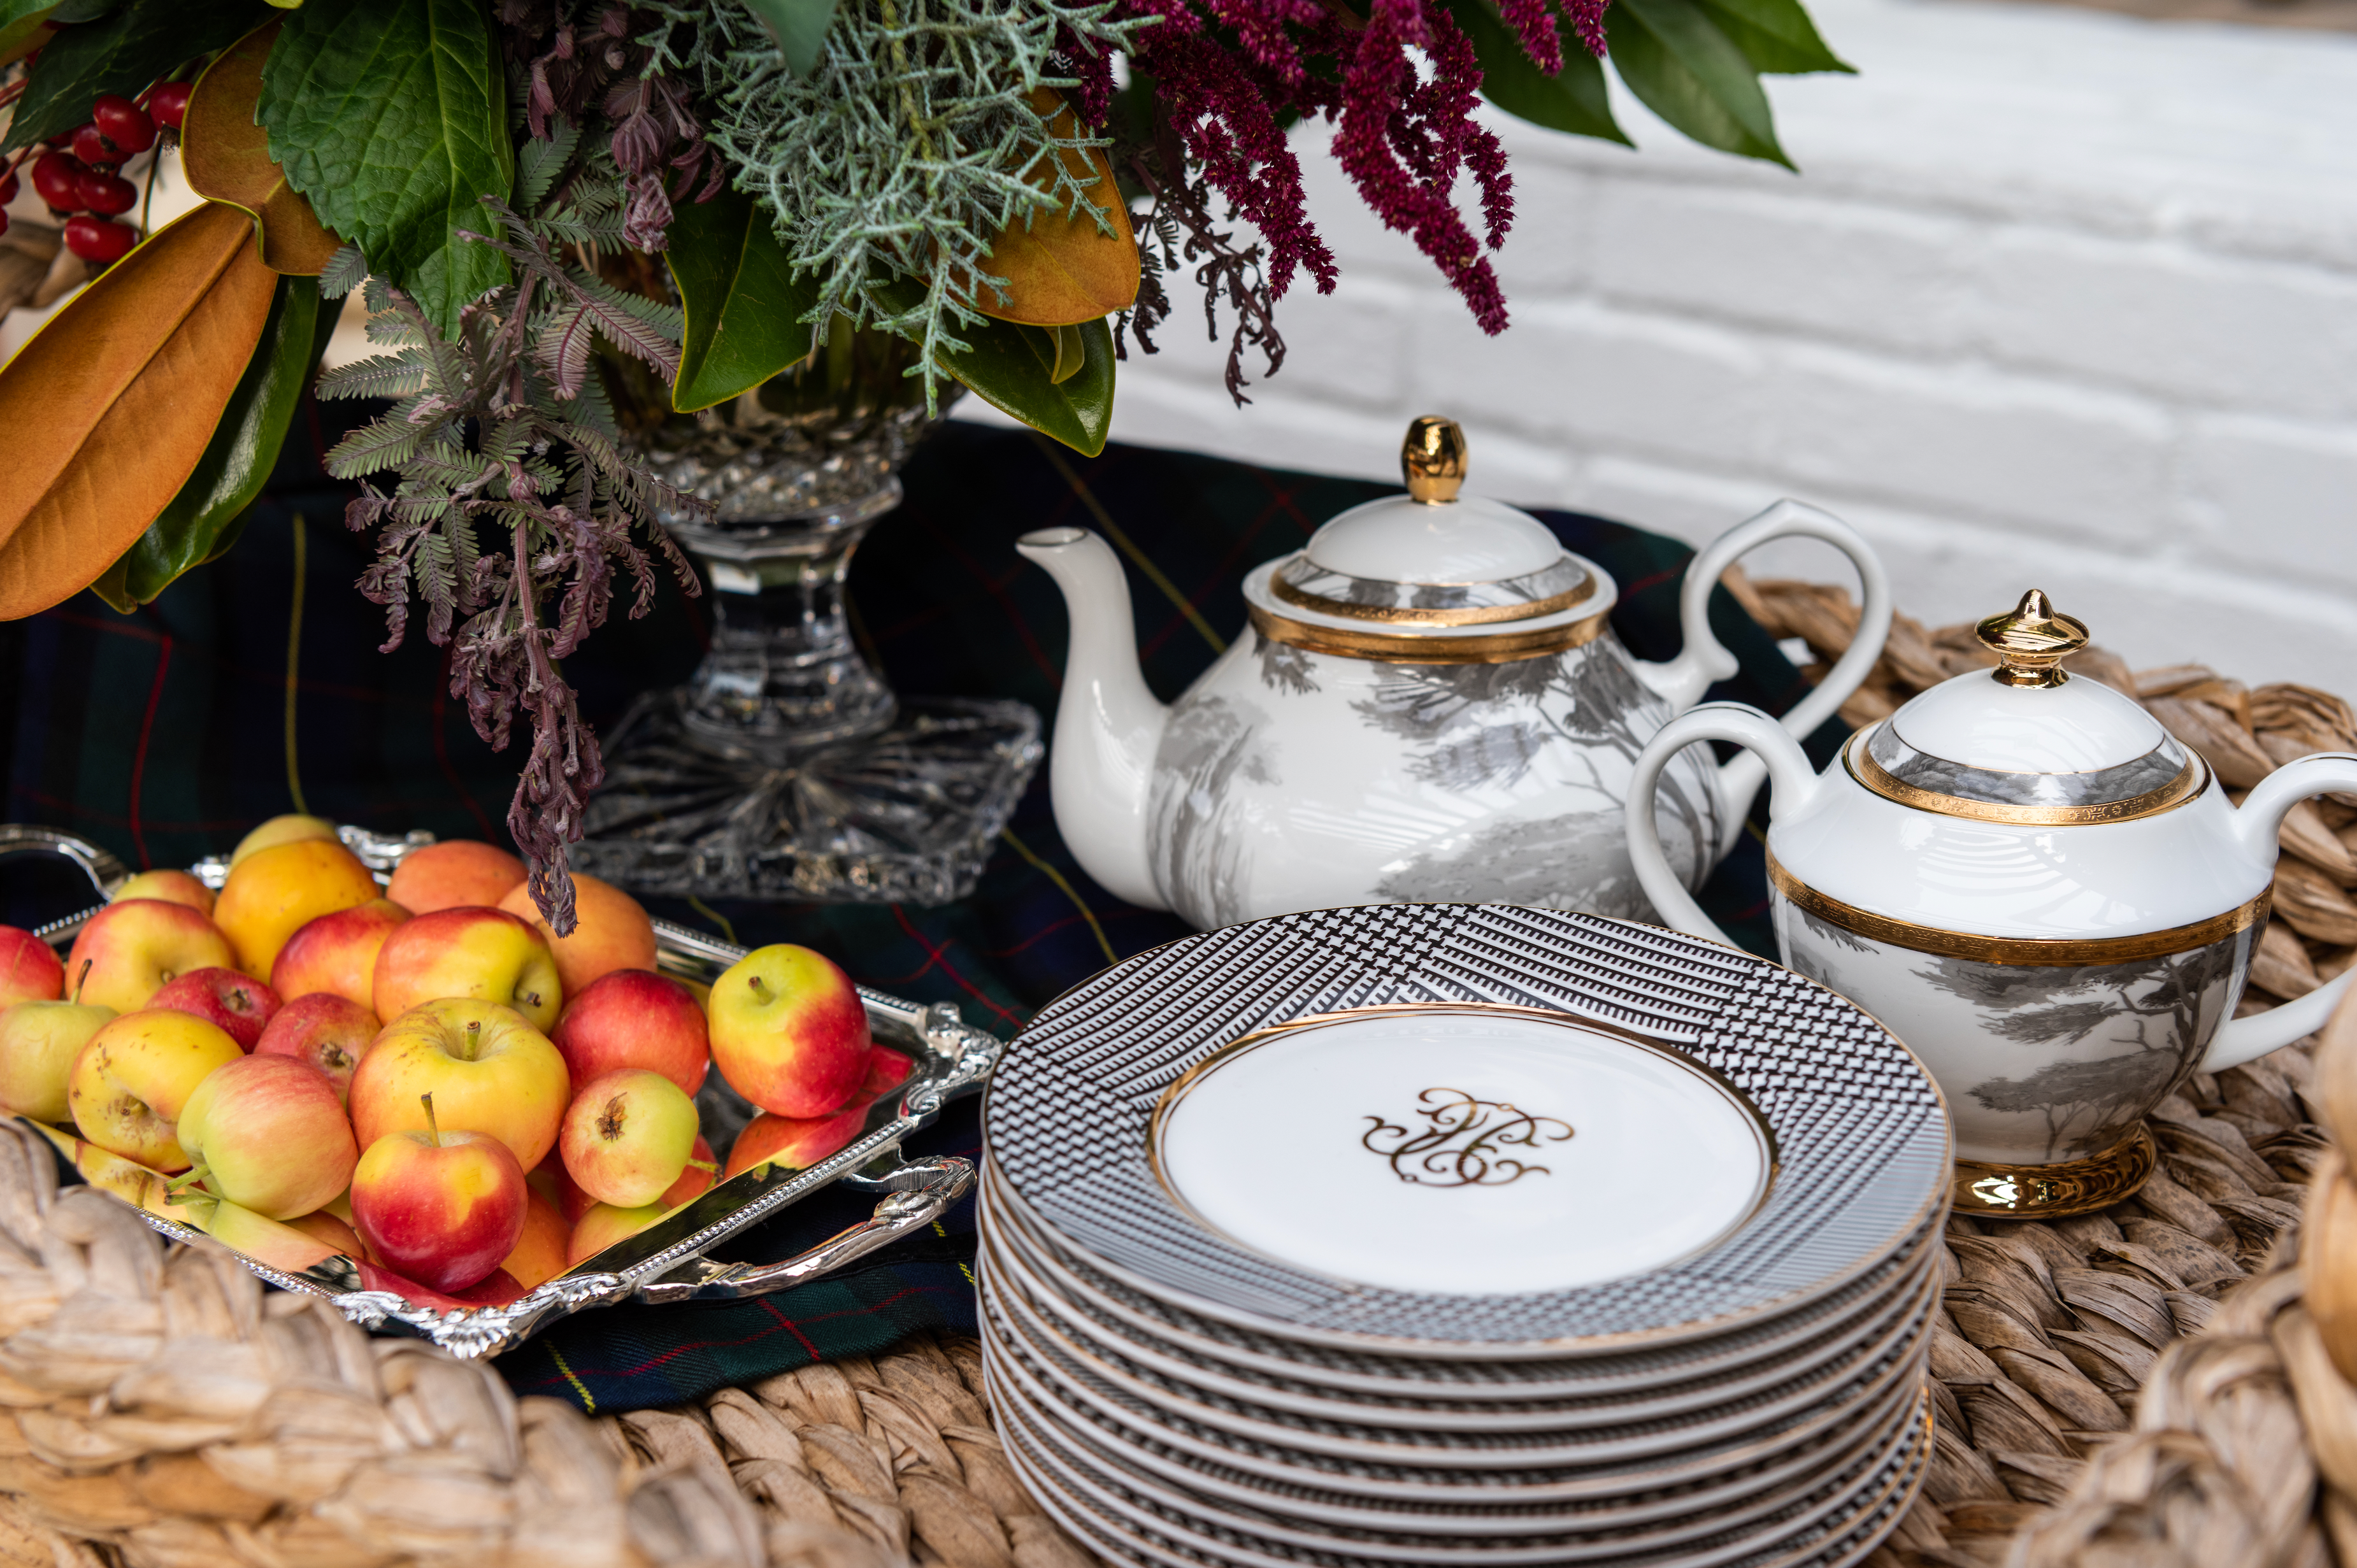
(2031, 641)
(1432, 459)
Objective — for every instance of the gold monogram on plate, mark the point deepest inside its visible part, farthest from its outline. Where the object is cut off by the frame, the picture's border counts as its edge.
(1463, 1143)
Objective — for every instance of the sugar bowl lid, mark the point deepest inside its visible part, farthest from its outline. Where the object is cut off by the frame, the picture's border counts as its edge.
(1434, 558)
(2026, 743)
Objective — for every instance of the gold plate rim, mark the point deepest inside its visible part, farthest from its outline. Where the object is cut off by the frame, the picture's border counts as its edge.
(2191, 780)
(1398, 614)
(2026, 952)
(1498, 648)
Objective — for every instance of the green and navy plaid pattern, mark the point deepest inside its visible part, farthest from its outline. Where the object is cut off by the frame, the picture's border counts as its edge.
(253, 686)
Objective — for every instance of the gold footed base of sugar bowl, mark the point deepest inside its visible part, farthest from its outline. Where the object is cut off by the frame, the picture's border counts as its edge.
(2058, 1190)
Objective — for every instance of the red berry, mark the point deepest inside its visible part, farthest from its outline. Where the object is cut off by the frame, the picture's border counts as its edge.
(91, 146)
(169, 103)
(56, 177)
(104, 192)
(123, 123)
(4, 223)
(100, 239)
(7, 188)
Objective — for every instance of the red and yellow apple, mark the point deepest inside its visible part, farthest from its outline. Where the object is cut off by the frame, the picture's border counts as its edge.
(703, 1170)
(611, 932)
(330, 1032)
(131, 948)
(487, 1069)
(337, 952)
(791, 1143)
(273, 892)
(237, 1004)
(497, 1289)
(788, 1031)
(485, 954)
(288, 829)
(451, 874)
(604, 1224)
(269, 1135)
(39, 1042)
(627, 1137)
(133, 1079)
(441, 1207)
(539, 1254)
(634, 1017)
(172, 888)
(30, 969)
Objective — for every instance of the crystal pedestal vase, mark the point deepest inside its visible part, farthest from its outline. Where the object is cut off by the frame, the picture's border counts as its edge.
(786, 768)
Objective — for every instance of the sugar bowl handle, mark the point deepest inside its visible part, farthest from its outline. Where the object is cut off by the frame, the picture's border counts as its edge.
(1780, 759)
(1703, 658)
(2256, 822)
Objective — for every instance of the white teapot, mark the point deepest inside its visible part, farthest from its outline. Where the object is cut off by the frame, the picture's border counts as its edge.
(2037, 888)
(1429, 705)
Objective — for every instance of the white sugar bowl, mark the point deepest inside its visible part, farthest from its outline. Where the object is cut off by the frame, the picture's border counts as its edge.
(2031, 883)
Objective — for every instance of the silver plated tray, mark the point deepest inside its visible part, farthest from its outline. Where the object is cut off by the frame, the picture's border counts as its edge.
(672, 1261)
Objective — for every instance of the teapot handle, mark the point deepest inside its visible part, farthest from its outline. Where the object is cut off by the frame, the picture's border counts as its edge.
(2256, 822)
(1780, 759)
(1703, 658)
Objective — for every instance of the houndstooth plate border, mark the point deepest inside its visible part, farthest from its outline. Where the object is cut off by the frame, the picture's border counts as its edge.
(1860, 1129)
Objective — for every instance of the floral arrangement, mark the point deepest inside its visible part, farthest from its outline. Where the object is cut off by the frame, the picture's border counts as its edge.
(1018, 188)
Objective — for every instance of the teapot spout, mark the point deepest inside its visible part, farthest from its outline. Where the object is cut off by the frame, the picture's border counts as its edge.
(1107, 723)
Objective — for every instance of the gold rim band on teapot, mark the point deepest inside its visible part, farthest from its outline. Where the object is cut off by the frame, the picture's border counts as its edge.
(2026, 952)
(2190, 781)
(1496, 647)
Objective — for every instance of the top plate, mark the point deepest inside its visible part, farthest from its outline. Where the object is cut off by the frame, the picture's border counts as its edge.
(1856, 1128)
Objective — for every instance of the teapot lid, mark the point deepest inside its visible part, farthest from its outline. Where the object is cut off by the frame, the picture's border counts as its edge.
(2026, 743)
(1433, 558)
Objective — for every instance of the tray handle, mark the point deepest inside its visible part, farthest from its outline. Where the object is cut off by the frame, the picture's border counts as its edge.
(916, 1193)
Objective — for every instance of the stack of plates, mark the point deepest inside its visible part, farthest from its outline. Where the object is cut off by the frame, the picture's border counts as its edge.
(1461, 1234)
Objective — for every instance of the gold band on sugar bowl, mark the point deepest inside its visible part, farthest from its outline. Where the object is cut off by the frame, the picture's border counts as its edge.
(1390, 647)
(2035, 953)
(2188, 783)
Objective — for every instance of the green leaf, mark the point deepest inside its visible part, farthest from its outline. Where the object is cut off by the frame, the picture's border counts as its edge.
(744, 305)
(391, 117)
(203, 520)
(1680, 66)
(1775, 35)
(1572, 100)
(1013, 367)
(800, 26)
(125, 53)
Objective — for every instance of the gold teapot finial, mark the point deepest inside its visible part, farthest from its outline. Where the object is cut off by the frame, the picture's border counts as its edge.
(1433, 459)
(2031, 641)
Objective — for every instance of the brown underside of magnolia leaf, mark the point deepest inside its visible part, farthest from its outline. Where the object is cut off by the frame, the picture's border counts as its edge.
(227, 157)
(1061, 272)
(125, 463)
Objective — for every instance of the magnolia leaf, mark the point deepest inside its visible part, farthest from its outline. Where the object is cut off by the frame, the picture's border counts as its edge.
(226, 156)
(1013, 367)
(744, 305)
(201, 520)
(798, 27)
(122, 54)
(1680, 65)
(1064, 269)
(1775, 35)
(124, 386)
(1572, 100)
(391, 117)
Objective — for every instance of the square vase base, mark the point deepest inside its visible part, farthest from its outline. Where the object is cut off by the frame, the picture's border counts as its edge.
(905, 815)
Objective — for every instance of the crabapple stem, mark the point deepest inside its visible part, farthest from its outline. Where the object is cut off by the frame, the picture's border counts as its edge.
(83, 979)
(194, 1175)
(702, 1166)
(432, 1128)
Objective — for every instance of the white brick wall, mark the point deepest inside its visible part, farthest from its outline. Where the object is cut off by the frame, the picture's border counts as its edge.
(2060, 298)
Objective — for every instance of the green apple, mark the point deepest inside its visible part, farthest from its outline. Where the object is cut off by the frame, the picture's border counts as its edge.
(38, 1041)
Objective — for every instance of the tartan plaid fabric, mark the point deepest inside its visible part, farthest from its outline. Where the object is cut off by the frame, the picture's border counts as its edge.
(253, 686)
